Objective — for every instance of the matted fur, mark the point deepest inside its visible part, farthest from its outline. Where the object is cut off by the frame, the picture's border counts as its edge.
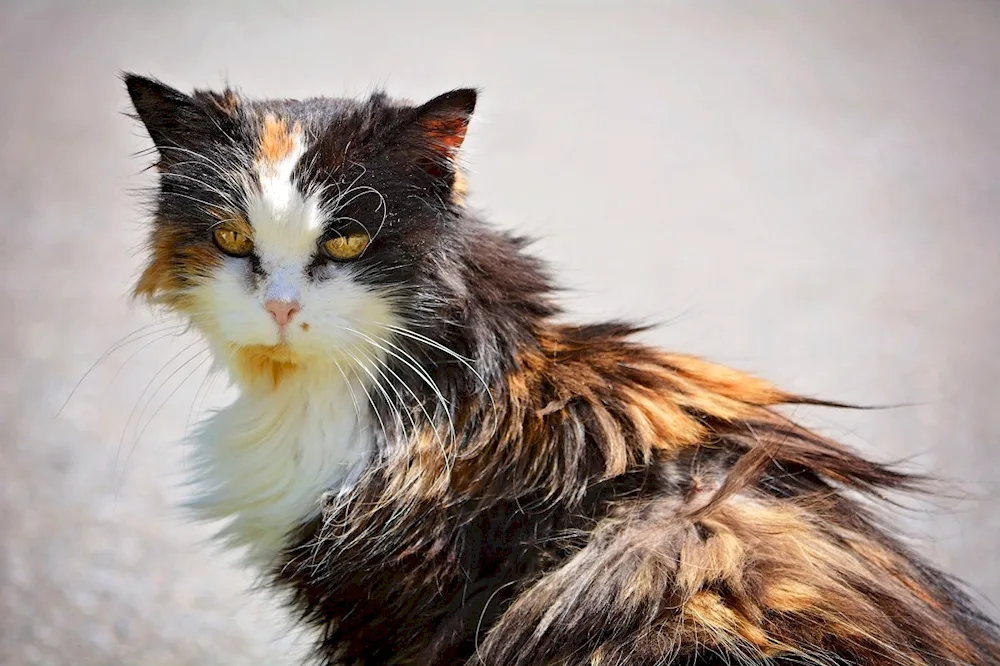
(529, 493)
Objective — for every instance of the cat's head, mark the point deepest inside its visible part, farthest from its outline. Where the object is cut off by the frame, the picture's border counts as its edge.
(291, 233)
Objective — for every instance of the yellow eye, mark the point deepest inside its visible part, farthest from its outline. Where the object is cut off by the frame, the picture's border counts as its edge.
(233, 243)
(345, 248)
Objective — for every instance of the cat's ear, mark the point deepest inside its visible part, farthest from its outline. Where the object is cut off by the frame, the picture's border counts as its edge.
(438, 128)
(174, 119)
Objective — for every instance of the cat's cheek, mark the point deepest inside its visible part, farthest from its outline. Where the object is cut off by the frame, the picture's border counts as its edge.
(229, 315)
(342, 314)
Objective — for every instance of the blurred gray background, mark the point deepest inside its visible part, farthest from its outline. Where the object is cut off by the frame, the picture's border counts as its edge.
(810, 191)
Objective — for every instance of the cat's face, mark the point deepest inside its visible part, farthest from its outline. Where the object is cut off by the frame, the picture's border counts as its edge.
(299, 234)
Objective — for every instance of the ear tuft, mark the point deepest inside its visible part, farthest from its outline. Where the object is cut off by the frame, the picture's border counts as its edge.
(442, 124)
(227, 102)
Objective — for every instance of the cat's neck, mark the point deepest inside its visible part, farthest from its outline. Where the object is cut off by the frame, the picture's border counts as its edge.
(263, 462)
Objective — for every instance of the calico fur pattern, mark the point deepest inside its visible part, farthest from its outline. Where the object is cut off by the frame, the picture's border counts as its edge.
(624, 506)
(549, 494)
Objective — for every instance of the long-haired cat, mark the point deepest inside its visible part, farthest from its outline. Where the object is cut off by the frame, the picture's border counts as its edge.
(435, 471)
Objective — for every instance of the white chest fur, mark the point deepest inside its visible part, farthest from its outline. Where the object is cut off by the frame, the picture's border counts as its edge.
(263, 462)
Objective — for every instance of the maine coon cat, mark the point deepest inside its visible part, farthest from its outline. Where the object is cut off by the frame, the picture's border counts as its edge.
(434, 471)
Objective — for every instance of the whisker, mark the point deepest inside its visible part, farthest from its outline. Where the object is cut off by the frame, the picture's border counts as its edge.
(163, 336)
(152, 397)
(225, 174)
(381, 389)
(437, 345)
(433, 343)
(347, 382)
(207, 205)
(210, 188)
(208, 380)
(430, 421)
(163, 404)
(131, 415)
(115, 346)
(428, 380)
(379, 364)
(414, 365)
(378, 416)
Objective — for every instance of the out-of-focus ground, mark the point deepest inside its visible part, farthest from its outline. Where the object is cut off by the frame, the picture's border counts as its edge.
(807, 190)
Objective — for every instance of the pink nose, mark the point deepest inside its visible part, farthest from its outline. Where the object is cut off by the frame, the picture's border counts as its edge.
(282, 311)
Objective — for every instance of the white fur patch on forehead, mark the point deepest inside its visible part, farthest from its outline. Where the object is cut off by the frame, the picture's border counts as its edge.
(287, 225)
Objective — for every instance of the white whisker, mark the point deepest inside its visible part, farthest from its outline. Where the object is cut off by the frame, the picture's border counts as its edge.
(437, 345)
(225, 196)
(368, 395)
(119, 344)
(414, 365)
(166, 400)
(142, 395)
(347, 382)
(378, 364)
(163, 336)
(381, 389)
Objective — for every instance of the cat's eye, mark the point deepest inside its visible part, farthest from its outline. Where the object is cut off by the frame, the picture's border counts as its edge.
(233, 243)
(346, 247)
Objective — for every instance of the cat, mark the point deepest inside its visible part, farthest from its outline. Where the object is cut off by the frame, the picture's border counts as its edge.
(432, 469)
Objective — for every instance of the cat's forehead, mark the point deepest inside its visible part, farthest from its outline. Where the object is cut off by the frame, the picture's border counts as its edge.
(285, 215)
(302, 150)
(320, 117)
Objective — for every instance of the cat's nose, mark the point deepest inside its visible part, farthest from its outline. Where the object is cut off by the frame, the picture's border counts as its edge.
(282, 311)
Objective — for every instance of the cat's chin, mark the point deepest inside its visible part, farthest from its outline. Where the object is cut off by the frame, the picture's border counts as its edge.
(266, 365)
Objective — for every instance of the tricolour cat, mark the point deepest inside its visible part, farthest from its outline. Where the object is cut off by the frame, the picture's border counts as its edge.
(436, 472)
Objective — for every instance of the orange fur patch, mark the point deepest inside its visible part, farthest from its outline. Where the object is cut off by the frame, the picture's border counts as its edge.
(157, 276)
(277, 140)
(459, 188)
(716, 623)
(171, 262)
(639, 403)
(659, 403)
(446, 134)
(267, 365)
(724, 381)
(423, 472)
